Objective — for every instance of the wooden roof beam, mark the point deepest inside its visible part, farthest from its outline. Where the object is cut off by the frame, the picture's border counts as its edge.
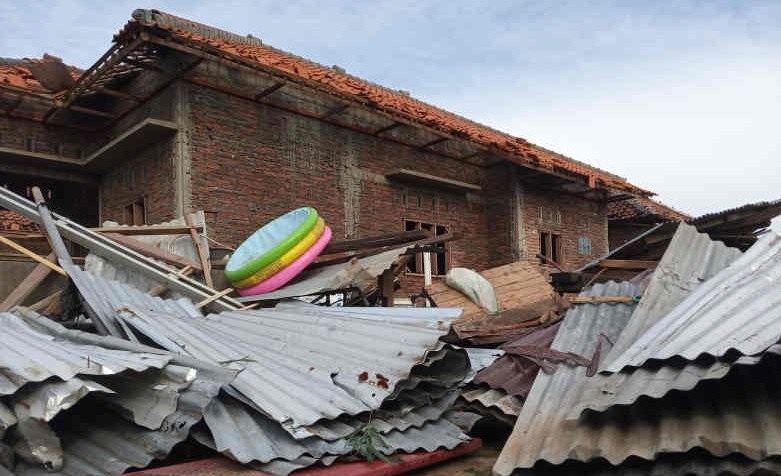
(385, 129)
(335, 111)
(269, 90)
(434, 142)
(91, 112)
(117, 94)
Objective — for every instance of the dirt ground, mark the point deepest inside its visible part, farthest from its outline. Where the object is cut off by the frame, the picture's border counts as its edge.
(478, 463)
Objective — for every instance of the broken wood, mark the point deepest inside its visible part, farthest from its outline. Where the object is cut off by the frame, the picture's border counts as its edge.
(214, 297)
(32, 255)
(628, 264)
(154, 251)
(202, 255)
(375, 241)
(161, 288)
(149, 229)
(336, 258)
(602, 299)
(28, 285)
(550, 262)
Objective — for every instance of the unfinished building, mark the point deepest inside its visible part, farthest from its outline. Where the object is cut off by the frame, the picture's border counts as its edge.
(178, 116)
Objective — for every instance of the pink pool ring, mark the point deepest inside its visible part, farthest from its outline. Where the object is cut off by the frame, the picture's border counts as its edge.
(294, 269)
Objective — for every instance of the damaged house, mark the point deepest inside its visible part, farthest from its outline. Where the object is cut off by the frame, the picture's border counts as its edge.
(178, 116)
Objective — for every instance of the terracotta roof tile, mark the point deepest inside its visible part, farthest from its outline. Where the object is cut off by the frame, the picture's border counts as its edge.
(644, 208)
(394, 102)
(16, 73)
(12, 221)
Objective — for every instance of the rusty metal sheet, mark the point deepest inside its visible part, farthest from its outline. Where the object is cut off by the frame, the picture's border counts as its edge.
(515, 371)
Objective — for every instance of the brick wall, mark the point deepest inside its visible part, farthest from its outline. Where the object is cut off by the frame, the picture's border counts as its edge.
(148, 176)
(255, 162)
(20, 133)
(569, 216)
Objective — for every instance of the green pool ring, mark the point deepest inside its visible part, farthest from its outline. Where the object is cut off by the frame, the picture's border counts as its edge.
(269, 243)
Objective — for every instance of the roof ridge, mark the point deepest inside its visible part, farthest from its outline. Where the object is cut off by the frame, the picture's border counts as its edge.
(152, 16)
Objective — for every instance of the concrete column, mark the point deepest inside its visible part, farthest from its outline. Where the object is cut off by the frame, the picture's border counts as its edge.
(182, 152)
(518, 232)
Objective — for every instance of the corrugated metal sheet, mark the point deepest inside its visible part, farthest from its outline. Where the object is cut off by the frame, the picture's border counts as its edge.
(481, 358)
(691, 259)
(739, 308)
(539, 431)
(102, 297)
(45, 400)
(489, 397)
(362, 363)
(180, 245)
(360, 273)
(515, 372)
(248, 436)
(98, 441)
(737, 414)
(28, 355)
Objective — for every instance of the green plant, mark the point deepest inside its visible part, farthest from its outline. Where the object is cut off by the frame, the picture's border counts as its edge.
(472, 471)
(368, 443)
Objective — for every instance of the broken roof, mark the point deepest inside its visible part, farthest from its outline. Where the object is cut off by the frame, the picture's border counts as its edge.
(336, 81)
(646, 209)
(38, 75)
(154, 25)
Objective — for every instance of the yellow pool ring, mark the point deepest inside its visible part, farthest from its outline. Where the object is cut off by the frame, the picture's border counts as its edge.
(283, 261)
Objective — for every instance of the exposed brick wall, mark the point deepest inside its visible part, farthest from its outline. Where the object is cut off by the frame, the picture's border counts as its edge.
(256, 162)
(16, 133)
(149, 175)
(569, 216)
(621, 232)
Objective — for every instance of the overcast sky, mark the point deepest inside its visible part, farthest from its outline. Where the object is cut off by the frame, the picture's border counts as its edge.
(682, 98)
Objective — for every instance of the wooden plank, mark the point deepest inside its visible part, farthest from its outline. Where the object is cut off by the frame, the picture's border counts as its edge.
(27, 286)
(602, 299)
(214, 297)
(420, 178)
(32, 255)
(202, 254)
(375, 241)
(161, 288)
(154, 251)
(628, 264)
(150, 230)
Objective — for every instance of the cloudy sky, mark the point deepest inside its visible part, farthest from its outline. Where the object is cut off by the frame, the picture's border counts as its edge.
(682, 98)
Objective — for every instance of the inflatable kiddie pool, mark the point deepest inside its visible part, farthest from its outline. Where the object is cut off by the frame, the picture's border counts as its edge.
(283, 277)
(269, 243)
(286, 259)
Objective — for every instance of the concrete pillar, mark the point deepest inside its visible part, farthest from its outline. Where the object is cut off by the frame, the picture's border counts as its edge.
(518, 232)
(182, 152)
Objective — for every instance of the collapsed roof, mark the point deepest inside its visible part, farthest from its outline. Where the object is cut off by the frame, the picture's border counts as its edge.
(152, 34)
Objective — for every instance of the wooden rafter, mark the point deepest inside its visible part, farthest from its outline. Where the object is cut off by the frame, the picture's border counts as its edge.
(385, 129)
(269, 90)
(335, 111)
(434, 142)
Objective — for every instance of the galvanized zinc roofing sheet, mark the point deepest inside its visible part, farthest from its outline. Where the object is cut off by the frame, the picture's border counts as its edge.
(98, 441)
(691, 259)
(737, 414)
(320, 366)
(102, 297)
(248, 436)
(539, 428)
(29, 355)
(739, 308)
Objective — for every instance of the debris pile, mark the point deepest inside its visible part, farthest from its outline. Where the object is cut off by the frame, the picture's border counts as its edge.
(278, 389)
(686, 381)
